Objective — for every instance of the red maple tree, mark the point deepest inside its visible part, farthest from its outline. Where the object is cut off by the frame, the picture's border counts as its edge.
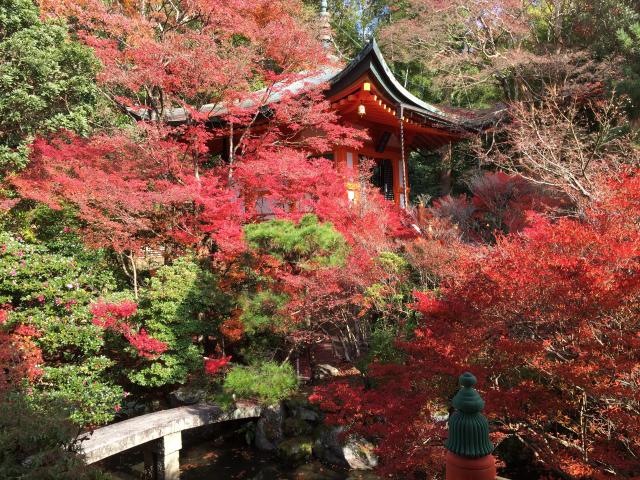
(548, 320)
(156, 183)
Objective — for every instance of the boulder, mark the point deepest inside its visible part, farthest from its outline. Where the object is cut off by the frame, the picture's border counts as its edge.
(186, 396)
(327, 446)
(295, 450)
(300, 407)
(269, 432)
(354, 452)
(358, 453)
(295, 427)
(307, 414)
(325, 370)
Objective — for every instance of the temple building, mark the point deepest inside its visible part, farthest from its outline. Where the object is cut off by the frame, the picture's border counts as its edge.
(367, 96)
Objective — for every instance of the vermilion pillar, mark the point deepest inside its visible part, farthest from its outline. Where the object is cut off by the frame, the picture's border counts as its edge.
(468, 446)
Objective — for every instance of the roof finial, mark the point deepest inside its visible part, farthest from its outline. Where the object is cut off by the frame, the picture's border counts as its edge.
(325, 26)
(468, 428)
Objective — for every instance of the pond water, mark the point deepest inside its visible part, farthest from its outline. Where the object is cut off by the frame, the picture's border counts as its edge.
(217, 454)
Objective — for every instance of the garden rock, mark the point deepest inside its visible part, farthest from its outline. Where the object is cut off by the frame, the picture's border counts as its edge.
(358, 453)
(186, 396)
(327, 446)
(269, 431)
(307, 414)
(294, 427)
(296, 450)
(324, 370)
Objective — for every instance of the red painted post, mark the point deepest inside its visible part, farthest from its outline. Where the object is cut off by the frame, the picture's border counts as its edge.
(468, 446)
(464, 468)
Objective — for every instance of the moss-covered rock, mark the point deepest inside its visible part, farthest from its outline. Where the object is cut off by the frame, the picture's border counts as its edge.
(296, 450)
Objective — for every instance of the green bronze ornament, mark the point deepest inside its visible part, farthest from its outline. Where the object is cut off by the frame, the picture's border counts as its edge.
(468, 428)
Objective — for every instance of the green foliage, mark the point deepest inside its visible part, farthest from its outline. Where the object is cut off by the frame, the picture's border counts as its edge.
(630, 38)
(391, 295)
(182, 301)
(262, 311)
(37, 223)
(261, 347)
(630, 85)
(51, 292)
(382, 344)
(47, 81)
(16, 15)
(87, 398)
(390, 300)
(268, 382)
(355, 22)
(421, 81)
(392, 263)
(300, 248)
(38, 443)
(307, 244)
(442, 172)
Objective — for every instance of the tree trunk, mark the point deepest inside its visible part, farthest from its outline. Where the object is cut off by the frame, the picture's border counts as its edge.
(446, 180)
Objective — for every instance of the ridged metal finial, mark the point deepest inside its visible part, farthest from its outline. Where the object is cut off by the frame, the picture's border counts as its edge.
(468, 428)
(325, 26)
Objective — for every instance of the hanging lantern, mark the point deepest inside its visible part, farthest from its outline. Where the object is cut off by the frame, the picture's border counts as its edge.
(362, 110)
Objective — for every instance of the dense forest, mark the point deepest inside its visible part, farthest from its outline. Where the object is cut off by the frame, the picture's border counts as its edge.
(135, 262)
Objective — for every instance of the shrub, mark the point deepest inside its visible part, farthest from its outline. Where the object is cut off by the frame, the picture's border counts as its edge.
(176, 306)
(87, 397)
(306, 244)
(48, 293)
(38, 443)
(268, 382)
(382, 345)
(263, 312)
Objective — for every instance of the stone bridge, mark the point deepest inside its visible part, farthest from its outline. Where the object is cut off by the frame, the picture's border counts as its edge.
(160, 433)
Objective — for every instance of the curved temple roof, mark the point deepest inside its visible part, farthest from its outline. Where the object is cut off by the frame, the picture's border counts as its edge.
(370, 60)
(369, 63)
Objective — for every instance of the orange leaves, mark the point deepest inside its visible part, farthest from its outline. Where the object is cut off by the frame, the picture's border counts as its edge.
(233, 328)
(190, 49)
(20, 358)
